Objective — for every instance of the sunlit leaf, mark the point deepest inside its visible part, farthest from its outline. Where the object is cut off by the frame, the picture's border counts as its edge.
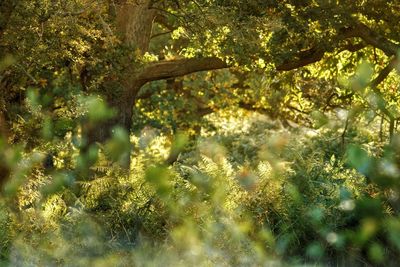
(359, 159)
(159, 177)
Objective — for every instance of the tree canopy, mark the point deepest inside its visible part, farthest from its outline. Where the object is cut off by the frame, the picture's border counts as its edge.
(114, 48)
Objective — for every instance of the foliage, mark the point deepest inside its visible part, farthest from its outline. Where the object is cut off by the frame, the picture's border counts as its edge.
(207, 132)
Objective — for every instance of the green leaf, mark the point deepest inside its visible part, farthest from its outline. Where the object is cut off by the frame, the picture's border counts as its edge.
(178, 145)
(319, 119)
(376, 253)
(59, 182)
(47, 129)
(363, 76)
(118, 148)
(359, 159)
(315, 250)
(159, 177)
(97, 109)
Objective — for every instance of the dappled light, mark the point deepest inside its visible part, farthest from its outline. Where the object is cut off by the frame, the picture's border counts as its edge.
(199, 133)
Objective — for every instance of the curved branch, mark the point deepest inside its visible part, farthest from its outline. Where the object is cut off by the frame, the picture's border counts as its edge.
(381, 77)
(174, 68)
(360, 30)
(163, 21)
(376, 40)
(160, 34)
(385, 72)
(352, 47)
(305, 58)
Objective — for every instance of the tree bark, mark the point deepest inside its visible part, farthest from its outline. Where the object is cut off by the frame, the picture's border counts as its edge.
(134, 23)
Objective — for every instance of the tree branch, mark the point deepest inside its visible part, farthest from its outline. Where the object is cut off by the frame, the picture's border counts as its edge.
(163, 20)
(360, 30)
(305, 58)
(375, 39)
(352, 47)
(174, 68)
(317, 52)
(381, 77)
(385, 72)
(160, 34)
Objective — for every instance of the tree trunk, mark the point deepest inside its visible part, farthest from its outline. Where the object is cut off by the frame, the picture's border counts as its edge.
(134, 20)
(123, 106)
(134, 23)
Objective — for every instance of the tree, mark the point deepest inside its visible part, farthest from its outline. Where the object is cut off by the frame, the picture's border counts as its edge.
(134, 23)
(114, 48)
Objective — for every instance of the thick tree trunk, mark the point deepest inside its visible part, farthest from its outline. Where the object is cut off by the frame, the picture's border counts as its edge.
(134, 23)
(103, 131)
(123, 105)
(134, 20)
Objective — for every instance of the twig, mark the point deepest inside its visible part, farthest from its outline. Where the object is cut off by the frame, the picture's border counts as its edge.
(27, 73)
(343, 136)
(381, 129)
(160, 34)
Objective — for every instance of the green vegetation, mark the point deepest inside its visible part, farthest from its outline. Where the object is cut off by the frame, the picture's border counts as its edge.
(199, 133)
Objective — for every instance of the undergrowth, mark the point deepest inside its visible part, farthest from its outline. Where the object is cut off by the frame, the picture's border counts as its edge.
(257, 194)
